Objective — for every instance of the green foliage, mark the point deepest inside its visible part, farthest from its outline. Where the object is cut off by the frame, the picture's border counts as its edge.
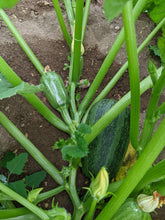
(35, 179)
(130, 211)
(8, 3)
(155, 50)
(157, 13)
(19, 187)
(76, 146)
(17, 164)
(7, 89)
(7, 157)
(113, 8)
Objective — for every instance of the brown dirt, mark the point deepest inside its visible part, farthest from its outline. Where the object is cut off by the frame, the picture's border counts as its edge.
(53, 51)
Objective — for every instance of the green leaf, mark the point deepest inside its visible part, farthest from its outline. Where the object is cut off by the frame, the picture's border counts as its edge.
(155, 50)
(17, 164)
(84, 128)
(7, 90)
(130, 211)
(7, 157)
(78, 150)
(19, 187)
(33, 194)
(113, 8)
(8, 3)
(158, 12)
(35, 179)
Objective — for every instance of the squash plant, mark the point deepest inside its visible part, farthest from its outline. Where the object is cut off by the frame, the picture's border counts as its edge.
(77, 122)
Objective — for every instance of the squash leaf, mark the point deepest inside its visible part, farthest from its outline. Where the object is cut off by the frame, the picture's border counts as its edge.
(19, 187)
(158, 13)
(35, 179)
(113, 8)
(129, 211)
(8, 3)
(7, 89)
(17, 164)
(77, 147)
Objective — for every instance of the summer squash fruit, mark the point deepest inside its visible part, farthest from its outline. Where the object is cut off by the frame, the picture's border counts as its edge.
(54, 89)
(109, 147)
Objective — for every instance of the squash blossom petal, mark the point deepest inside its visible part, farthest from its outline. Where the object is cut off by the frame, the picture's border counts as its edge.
(100, 184)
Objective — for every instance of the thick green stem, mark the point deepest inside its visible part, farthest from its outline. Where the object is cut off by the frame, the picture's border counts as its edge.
(85, 17)
(69, 10)
(110, 115)
(154, 174)
(22, 42)
(38, 211)
(150, 119)
(72, 101)
(33, 151)
(50, 193)
(148, 156)
(65, 115)
(13, 212)
(77, 41)
(62, 22)
(15, 80)
(117, 76)
(108, 61)
(133, 67)
(91, 212)
(78, 207)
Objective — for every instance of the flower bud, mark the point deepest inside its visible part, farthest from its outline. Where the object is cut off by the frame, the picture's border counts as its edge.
(147, 203)
(100, 184)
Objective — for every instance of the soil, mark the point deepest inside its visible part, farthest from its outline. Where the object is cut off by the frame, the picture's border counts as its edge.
(37, 22)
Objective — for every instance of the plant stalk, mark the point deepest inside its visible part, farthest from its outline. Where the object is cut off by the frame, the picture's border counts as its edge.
(92, 209)
(108, 61)
(22, 42)
(33, 151)
(37, 211)
(77, 44)
(117, 76)
(111, 114)
(62, 22)
(133, 67)
(85, 18)
(150, 118)
(50, 193)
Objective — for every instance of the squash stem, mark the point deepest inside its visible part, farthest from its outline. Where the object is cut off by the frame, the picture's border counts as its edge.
(33, 151)
(69, 10)
(114, 80)
(108, 61)
(85, 18)
(92, 209)
(77, 41)
(133, 67)
(111, 114)
(62, 22)
(22, 42)
(65, 115)
(33, 208)
(151, 119)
